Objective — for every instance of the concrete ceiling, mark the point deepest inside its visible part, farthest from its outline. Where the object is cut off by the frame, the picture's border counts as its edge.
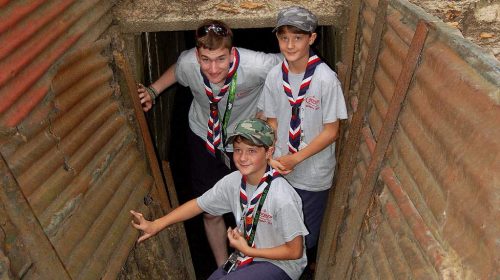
(172, 15)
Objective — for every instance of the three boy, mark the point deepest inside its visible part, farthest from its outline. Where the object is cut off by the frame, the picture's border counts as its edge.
(226, 83)
(303, 102)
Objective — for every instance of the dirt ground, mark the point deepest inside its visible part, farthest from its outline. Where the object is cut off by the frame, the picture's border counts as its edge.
(478, 20)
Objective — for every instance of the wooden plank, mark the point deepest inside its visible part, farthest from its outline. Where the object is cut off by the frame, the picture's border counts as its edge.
(47, 263)
(169, 178)
(350, 45)
(131, 89)
(354, 219)
(180, 226)
(338, 196)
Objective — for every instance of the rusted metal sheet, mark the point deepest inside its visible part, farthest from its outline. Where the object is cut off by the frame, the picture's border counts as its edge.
(338, 199)
(355, 218)
(18, 210)
(435, 214)
(73, 154)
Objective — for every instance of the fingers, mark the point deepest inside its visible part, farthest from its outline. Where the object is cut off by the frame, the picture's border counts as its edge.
(284, 172)
(143, 237)
(144, 97)
(280, 167)
(136, 215)
(139, 223)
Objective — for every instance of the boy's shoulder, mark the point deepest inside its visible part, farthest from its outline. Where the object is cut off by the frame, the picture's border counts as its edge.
(281, 185)
(324, 72)
(188, 57)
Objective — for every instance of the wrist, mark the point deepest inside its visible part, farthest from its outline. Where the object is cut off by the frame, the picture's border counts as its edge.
(153, 93)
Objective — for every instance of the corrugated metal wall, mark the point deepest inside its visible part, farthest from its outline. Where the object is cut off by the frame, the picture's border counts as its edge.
(73, 161)
(432, 208)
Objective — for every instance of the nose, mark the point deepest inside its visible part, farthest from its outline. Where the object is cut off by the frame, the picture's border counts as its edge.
(213, 67)
(290, 44)
(243, 156)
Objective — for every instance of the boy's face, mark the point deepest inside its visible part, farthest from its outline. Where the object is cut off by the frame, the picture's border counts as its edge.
(293, 46)
(214, 63)
(251, 161)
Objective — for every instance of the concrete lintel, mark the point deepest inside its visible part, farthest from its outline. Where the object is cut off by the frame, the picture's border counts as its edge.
(175, 15)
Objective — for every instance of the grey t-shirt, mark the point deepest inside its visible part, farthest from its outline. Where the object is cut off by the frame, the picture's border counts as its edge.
(252, 73)
(323, 103)
(281, 218)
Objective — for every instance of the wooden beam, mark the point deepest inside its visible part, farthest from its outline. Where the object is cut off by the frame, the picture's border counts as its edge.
(47, 263)
(338, 196)
(354, 220)
(350, 45)
(131, 90)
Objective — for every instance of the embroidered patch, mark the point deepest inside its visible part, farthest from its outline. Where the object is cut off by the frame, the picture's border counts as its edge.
(266, 217)
(312, 102)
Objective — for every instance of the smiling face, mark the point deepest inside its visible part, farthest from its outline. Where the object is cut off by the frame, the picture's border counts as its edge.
(295, 47)
(250, 160)
(214, 63)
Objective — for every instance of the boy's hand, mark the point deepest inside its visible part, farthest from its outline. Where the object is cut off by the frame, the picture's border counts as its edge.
(279, 167)
(288, 161)
(236, 240)
(145, 98)
(149, 229)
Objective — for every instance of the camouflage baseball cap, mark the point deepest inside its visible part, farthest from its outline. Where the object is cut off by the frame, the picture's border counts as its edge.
(255, 130)
(297, 16)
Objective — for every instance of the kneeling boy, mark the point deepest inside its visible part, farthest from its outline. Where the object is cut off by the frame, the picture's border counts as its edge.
(269, 237)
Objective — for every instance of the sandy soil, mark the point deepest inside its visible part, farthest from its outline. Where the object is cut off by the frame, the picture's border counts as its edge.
(478, 20)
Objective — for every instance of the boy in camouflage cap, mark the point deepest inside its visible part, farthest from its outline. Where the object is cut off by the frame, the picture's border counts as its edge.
(256, 131)
(269, 236)
(303, 101)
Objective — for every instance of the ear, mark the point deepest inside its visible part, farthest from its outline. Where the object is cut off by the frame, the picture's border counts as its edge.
(313, 37)
(231, 54)
(270, 152)
(197, 55)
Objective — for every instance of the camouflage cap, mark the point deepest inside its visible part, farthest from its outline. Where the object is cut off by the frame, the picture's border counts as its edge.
(297, 16)
(255, 130)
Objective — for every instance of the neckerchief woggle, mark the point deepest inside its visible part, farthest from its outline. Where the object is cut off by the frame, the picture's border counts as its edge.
(214, 127)
(249, 215)
(295, 126)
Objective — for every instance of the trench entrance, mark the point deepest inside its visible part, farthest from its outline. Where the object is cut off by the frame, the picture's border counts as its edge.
(168, 119)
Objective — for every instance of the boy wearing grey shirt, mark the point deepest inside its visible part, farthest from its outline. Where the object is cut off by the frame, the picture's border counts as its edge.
(269, 238)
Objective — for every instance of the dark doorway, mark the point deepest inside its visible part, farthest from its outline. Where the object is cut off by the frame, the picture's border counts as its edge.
(168, 120)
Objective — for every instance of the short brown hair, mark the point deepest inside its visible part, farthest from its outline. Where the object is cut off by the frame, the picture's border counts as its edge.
(213, 35)
(239, 139)
(295, 30)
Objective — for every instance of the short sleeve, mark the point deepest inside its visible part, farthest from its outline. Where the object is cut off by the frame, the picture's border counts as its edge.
(182, 67)
(216, 201)
(268, 100)
(333, 102)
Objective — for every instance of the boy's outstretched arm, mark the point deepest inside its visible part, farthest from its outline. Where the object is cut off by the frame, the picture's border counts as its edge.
(291, 250)
(179, 214)
(326, 137)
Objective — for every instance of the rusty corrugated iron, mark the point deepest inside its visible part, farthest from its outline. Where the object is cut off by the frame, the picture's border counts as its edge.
(435, 214)
(68, 142)
(25, 78)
